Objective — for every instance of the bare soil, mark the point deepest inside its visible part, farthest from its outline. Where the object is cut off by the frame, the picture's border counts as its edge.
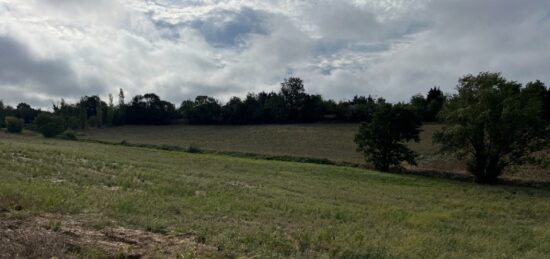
(57, 236)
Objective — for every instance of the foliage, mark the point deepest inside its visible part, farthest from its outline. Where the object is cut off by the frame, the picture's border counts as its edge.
(382, 141)
(26, 112)
(149, 109)
(493, 123)
(428, 108)
(49, 125)
(14, 124)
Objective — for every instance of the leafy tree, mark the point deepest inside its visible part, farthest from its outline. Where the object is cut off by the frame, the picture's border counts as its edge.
(382, 141)
(150, 109)
(185, 109)
(418, 103)
(14, 124)
(434, 103)
(49, 125)
(293, 92)
(206, 110)
(233, 112)
(26, 112)
(493, 123)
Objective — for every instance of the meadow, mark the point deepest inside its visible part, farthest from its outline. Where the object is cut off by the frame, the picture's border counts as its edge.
(221, 206)
(320, 141)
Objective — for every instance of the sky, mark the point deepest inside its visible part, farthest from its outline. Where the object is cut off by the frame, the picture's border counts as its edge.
(53, 49)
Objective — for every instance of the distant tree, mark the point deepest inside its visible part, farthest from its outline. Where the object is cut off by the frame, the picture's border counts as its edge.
(418, 104)
(49, 125)
(185, 109)
(293, 92)
(14, 125)
(150, 109)
(359, 109)
(26, 112)
(110, 111)
(383, 140)
(99, 113)
(121, 98)
(493, 123)
(82, 114)
(313, 109)
(206, 110)
(434, 102)
(2, 114)
(233, 112)
(274, 109)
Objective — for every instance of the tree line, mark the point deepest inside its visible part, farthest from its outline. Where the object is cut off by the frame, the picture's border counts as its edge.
(291, 104)
(491, 122)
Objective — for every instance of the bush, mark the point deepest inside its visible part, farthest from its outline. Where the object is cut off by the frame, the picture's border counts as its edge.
(14, 125)
(49, 125)
(69, 135)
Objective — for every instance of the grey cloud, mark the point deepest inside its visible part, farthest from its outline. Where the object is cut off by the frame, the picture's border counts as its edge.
(340, 48)
(54, 77)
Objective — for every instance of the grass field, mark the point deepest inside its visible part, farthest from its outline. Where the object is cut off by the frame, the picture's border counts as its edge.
(325, 141)
(219, 206)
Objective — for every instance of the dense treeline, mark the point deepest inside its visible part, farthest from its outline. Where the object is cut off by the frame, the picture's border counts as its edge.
(291, 104)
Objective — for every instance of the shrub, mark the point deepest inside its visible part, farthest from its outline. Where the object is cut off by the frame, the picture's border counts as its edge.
(49, 125)
(69, 135)
(14, 125)
(193, 149)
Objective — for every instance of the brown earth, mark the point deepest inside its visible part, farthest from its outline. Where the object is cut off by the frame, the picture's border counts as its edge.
(57, 236)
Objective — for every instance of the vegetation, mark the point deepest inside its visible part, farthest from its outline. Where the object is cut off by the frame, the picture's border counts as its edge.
(49, 125)
(14, 125)
(494, 123)
(257, 208)
(383, 140)
(329, 141)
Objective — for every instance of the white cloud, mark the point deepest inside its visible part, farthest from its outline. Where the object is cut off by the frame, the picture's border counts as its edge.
(179, 49)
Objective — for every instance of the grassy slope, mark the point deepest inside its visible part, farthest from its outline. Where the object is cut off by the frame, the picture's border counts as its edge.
(328, 141)
(254, 207)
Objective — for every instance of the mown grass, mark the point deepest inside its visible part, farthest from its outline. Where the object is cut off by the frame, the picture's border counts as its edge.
(272, 209)
(332, 142)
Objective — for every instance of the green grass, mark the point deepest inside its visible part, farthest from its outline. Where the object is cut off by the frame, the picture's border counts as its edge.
(318, 141)
(272, 209)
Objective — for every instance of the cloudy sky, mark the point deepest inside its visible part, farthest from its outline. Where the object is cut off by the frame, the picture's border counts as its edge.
(51, 49)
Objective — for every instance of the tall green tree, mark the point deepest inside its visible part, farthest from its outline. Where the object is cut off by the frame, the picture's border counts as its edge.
(293, 91)
(383, 140)
(492, 123)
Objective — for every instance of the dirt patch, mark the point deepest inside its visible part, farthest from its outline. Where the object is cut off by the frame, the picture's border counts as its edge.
(55, 236)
